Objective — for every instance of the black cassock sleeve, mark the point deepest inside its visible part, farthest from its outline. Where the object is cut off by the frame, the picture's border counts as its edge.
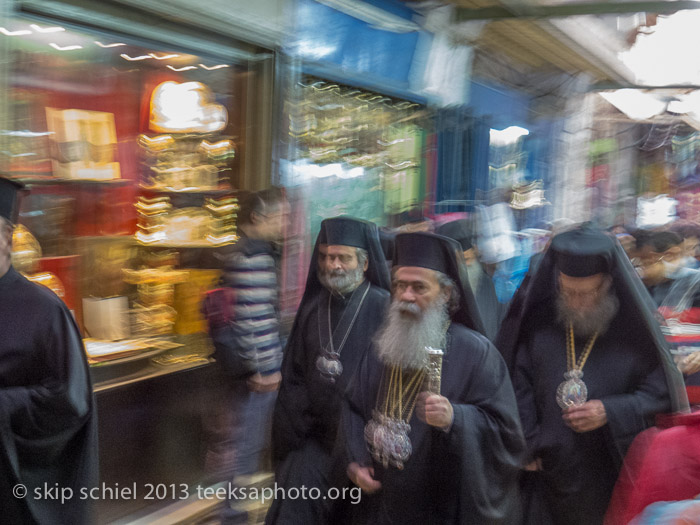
(486, 438)
(357, 410)
(291, 418)
(527, 407)
(47, 429)
(629, 414)
(62, 400)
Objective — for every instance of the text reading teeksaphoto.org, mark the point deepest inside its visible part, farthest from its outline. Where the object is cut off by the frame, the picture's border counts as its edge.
(182, 491)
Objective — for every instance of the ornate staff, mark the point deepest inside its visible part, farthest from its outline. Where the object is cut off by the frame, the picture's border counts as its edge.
(434, 369)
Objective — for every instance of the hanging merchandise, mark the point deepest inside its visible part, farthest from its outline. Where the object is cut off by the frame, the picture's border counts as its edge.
(655, 211)
(83, 144)
(496, 228)
(528, 195)
(361, 151)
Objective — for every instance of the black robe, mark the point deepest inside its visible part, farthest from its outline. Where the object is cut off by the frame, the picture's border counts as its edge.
(47, 420)
(491, 310)
(307, 413)
(580, 469)
(467, 475)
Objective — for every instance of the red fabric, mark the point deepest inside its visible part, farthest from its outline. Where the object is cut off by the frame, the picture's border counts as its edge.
(693, 394)
(67, 269)
(689, 315)
(598, 174)
(663, 464)
(217, 306)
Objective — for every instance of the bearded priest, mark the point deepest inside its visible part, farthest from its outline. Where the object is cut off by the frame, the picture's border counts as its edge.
(433, 439)
(591, 370)
(344, 302)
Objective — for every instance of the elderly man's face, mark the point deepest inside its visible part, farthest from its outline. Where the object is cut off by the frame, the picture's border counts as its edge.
(417, 286)
(339, 268)
(583, 293)
(337, 259)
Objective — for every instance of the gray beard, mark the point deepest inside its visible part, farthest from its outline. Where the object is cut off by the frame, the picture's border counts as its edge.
(402, 339)
(340, 282)
(587, 323)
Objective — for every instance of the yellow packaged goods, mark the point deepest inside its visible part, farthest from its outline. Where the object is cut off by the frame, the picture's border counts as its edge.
(188, 300)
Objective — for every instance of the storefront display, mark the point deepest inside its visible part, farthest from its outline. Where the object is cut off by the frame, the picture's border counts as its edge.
(133, 154)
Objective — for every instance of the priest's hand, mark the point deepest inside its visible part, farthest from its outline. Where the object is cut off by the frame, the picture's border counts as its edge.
(587, 417)
(435, 410)
(363, 478)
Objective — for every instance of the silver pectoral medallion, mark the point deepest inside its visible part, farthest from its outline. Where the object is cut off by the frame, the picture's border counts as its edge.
(573, 391)
(387, 440)
(330, 366)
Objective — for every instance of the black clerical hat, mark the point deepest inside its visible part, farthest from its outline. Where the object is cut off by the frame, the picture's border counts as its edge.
(459, 230)
(583, 252)
(344, 231)
(10, 191)
(425, 250)
(442, 254)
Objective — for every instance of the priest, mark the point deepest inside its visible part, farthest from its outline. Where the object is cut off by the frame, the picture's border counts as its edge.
(344, 302)
(591, 370)
(431, 422)
(48, 432)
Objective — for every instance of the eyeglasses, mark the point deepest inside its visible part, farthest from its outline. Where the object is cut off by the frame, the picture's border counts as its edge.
(644, 262)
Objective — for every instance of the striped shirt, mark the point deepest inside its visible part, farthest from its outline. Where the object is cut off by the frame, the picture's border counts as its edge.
(252, 272)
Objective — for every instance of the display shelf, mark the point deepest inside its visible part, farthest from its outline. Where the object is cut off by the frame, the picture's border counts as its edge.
(132, 350)
(35, 181)
(183, 245)
(151, 371)
(203, 191)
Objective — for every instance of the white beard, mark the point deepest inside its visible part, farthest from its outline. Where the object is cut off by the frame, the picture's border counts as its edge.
(402, 339)
(340, 282)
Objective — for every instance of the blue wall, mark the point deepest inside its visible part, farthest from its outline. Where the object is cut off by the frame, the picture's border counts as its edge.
(505, 107)
(343, 48)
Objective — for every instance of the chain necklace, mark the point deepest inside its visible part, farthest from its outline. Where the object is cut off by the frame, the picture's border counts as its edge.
(328, 363)
(386, 433)
(573, 391)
